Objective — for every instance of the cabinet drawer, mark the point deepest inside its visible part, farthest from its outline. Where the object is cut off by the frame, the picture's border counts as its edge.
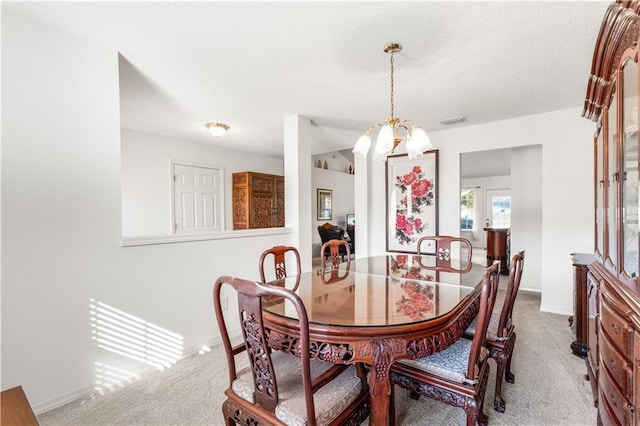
(617, 329)
(618, 367)
(611, 396)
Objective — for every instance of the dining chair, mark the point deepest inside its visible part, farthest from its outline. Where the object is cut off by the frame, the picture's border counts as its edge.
(280, 254)
(280, 388)
(337, 250)
(329, 231)
(457, 375)
(440, 246)
(501, 335)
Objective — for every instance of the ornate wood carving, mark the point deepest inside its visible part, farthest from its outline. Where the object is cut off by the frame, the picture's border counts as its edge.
(382, 354)
(258, 200)
(619, 30)
(471, 404)
(261, 366)
(233, 411)
(325, 351)
(359, 416)
(240, 203)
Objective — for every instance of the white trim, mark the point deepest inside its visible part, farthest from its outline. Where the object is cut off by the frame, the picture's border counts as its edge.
(168, 239)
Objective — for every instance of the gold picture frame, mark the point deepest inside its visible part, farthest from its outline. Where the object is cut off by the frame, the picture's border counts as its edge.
(324, 207)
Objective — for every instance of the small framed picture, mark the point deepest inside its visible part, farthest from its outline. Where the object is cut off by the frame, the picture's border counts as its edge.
(324, 204)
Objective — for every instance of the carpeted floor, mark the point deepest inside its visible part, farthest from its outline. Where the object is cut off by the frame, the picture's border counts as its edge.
(550, 388)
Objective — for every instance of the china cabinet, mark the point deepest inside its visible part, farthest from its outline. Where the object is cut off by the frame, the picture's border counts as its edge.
(258, 200)
(612, 286)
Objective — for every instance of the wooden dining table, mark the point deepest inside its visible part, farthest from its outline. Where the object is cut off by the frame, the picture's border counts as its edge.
(377, 310)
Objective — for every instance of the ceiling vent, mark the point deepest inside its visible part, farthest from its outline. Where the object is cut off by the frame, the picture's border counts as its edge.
(453, 121)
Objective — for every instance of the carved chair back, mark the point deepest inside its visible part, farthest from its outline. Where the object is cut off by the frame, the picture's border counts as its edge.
(490, 278)
(250, 295)
(280, 254)
(265, 390)
(439, 376)
(336, 250)
(515, 275)
(441, 246)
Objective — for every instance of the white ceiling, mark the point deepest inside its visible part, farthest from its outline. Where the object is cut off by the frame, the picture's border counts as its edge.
(249, 64)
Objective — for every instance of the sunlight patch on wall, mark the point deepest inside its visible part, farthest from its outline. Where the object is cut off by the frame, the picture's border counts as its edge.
(132, 337)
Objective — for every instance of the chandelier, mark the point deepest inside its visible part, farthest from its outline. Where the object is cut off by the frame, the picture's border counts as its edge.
(394, 130)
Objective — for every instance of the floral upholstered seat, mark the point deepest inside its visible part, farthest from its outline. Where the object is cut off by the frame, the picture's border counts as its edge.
(329, 401)
(450, 363)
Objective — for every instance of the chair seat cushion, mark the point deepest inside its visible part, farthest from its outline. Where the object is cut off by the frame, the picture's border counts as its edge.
(492, 330)
(450, 363)
(329, 401)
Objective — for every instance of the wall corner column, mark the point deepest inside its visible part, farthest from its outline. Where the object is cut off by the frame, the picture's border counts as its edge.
(297, 183)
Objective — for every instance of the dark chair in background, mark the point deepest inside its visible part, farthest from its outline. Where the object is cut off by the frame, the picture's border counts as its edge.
(457, 375)
(279, 388)
(351, 231)
(501, 335)
(330, 232)
(280, 255)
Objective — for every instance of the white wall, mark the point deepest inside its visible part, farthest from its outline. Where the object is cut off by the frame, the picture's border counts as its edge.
(146, 177)
(61, 223)
(526, 214)
(567, 191)
(342, 201)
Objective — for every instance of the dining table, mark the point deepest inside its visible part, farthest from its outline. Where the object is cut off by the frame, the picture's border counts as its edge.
(378, 310)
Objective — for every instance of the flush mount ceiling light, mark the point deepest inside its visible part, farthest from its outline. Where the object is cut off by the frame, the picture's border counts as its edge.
(394, 131)
(217, 129)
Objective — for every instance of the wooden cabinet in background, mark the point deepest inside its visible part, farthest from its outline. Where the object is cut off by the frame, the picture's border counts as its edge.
(580, 301)
(612, 101)
(258, 200)
(498, 241)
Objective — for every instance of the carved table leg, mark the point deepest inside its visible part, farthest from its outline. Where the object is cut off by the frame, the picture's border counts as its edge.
(380, 354)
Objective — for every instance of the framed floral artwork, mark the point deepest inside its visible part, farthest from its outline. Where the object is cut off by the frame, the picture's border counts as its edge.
(412, 289)
(412, 200)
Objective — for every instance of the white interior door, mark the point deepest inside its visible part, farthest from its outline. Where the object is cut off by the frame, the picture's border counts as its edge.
(498, 208)
(197, 195)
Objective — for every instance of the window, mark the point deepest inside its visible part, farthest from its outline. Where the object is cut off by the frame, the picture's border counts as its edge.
(198, 194)
(467, 209)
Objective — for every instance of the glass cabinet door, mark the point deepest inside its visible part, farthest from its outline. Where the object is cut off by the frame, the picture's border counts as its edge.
(611, 183)
(600, 182)
(630, 169)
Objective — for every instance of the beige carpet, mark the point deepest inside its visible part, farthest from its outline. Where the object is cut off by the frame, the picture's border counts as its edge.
(550, 388)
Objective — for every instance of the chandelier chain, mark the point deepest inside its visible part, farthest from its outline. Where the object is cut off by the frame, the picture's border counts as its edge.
(391, 60)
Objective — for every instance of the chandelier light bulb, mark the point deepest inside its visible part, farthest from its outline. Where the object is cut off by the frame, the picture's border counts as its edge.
(385, 139)
(363, 145)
